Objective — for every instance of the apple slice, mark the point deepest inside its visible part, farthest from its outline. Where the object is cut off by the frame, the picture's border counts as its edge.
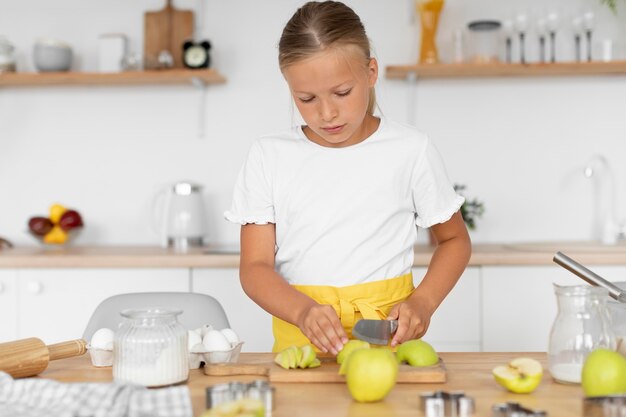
(521, 375)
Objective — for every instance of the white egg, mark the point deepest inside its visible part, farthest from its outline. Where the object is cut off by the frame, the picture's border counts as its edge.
(193, 339)
(102, 339)
(215, 341)
(230, 335)
(203, 330)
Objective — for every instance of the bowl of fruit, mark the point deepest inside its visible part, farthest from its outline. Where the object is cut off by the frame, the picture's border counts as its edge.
(59, 228)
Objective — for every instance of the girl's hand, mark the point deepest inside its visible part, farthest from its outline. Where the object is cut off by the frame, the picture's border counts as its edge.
(322, 326)
(413, 320)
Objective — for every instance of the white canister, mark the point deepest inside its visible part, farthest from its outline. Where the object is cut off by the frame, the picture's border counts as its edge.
(112, 48)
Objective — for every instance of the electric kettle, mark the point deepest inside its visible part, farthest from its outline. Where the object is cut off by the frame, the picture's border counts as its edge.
(179, 216)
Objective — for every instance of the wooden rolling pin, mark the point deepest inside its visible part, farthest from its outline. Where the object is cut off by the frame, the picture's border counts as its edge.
(28, 357)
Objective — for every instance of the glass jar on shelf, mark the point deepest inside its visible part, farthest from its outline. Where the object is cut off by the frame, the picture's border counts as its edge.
(582, 325)
(150, 348)
(7, 55)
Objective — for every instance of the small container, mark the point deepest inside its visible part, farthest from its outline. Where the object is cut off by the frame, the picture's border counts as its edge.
(51, 55)
(7, 55)
(150, 348)
(112, 49)
(484, 41)
(582, 325)
(100, 357)
(197, 356)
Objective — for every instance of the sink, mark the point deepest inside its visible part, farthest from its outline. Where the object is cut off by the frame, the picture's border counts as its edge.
(567, 247)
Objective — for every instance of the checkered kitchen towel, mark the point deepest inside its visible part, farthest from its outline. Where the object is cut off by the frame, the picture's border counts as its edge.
(34, 397)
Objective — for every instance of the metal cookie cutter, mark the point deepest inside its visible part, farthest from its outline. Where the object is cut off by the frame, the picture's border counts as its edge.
(233, 391)
(446, 404)
(516, 410)
(609, 406)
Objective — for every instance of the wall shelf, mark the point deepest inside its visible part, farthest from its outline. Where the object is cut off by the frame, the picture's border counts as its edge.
(169, 76)
(504, 70)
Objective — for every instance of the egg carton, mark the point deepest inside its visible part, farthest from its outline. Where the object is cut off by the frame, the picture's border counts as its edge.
(198, 354)
(100, 357)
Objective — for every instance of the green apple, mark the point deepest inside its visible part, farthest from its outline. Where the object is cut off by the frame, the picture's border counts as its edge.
(521, 375)
(416, 352)
(349, 347)
(604, 373)
(307, 356)
(371, 374)
(297, 357)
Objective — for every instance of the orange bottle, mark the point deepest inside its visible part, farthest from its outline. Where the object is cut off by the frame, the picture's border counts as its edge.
(429, 11)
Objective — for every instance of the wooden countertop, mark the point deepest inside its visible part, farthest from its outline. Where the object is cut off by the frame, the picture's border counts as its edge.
(536, 253)
(469, 372)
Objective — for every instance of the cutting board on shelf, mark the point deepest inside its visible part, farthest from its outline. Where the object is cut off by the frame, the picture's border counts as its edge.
(328, 371)
(166, 30)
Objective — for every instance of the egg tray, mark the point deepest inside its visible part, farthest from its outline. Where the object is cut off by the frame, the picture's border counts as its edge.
(199, 355)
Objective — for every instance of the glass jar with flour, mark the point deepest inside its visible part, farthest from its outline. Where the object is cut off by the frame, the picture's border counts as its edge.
(150, 348)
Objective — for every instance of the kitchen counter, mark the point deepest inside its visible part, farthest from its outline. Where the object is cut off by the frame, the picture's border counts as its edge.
(535, 253)
(468, 372)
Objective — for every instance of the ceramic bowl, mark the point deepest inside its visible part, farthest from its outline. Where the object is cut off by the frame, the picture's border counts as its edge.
(51, 55)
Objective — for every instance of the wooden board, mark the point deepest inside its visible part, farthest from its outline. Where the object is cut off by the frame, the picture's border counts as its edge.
(166, 30)
(327, 372)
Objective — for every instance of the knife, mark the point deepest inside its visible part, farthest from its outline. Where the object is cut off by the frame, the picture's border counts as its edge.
(377, 332)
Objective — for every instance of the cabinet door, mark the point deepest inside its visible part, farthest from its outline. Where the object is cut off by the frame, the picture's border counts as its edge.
(247, 319)
(56, 304)
(519, 304)
(455, 326)
(8, 305)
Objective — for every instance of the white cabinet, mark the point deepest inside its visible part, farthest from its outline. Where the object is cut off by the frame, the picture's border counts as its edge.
(455, 326)
(519, 305)
(55, 304)
(8, 305)
(251, 322)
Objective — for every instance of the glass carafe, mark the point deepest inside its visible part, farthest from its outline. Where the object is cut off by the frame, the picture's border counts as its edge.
(429, 11)
(150, 348)
(582, 325)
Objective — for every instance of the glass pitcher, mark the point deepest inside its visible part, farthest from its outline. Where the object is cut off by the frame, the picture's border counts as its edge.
(582, 325)
(150, 348)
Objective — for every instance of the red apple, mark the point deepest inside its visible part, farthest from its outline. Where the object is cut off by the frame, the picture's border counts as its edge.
(39, 225)
(70, 220)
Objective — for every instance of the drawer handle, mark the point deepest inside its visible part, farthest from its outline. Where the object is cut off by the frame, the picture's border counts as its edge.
(35, 287)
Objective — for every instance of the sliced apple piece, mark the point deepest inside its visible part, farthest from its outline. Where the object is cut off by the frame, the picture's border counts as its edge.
(521, 375)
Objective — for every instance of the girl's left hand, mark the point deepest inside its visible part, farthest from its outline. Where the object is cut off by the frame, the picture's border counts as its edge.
(413, 320)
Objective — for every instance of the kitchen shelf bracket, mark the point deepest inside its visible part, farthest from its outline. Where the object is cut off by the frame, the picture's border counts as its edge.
(201, 86)
(412, 98)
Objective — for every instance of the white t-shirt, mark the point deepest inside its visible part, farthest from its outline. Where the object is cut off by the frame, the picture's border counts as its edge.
(344, 216)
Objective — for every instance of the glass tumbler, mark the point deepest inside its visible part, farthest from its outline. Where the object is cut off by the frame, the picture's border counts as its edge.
(150, 348)
(582, 324)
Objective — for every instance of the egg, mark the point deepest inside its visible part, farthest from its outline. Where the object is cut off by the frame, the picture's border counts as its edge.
(215, 341)
(193, 339)
(102, 339)
(230, 335)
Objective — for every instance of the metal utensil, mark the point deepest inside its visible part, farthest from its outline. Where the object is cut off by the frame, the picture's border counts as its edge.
(442, 404)
(589, 276)
(377, 332)
(511, 409)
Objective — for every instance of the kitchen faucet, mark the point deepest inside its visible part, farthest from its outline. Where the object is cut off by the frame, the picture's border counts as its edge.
(606, 224)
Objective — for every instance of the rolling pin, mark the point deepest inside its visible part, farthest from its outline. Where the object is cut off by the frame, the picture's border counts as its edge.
(28, 357)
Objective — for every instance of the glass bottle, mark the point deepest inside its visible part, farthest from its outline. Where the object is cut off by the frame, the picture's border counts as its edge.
(150, 348)
(7, 55)
(429, 11)
(582, 325)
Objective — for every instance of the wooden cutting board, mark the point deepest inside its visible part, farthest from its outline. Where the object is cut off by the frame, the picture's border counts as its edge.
(166, 30)
(327, 372)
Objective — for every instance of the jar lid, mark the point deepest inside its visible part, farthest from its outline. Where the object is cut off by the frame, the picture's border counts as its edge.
(577, 290)
(150, 312)
(484, 25)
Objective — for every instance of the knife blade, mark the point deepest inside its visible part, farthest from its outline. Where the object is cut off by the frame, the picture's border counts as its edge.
(377, 332)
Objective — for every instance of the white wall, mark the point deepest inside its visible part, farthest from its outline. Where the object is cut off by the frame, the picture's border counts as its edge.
(519, 144)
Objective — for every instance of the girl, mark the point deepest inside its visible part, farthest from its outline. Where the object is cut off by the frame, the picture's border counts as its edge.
(329, 210)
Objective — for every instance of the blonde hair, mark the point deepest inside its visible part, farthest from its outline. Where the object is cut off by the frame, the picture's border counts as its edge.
(318, 26)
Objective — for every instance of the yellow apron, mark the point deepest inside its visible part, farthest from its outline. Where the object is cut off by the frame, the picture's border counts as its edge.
(372, 300)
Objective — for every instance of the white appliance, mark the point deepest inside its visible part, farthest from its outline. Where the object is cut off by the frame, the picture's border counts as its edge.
(180, 216)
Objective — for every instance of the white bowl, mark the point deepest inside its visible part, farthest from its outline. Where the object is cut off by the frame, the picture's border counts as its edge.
(51, 55)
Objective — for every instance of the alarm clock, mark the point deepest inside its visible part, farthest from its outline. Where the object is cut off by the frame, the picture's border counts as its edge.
(196, 54)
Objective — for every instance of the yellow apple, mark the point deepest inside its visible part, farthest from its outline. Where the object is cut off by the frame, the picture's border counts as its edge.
(297, 357)
(307, 356)
(371, 374)
(521, 375)
(416, 352)
(349, 347)
(604, 373)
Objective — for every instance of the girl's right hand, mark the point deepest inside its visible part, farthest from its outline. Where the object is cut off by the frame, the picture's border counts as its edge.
(321, 325)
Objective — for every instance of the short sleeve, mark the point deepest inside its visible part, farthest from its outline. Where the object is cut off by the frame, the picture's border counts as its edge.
(434, 197)
(252, 195)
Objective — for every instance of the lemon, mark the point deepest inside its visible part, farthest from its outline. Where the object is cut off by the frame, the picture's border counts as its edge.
(56, 236)
(56, 211)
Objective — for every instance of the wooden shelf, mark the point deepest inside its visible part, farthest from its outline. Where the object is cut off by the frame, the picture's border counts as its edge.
(505, 70)
(171, 76)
